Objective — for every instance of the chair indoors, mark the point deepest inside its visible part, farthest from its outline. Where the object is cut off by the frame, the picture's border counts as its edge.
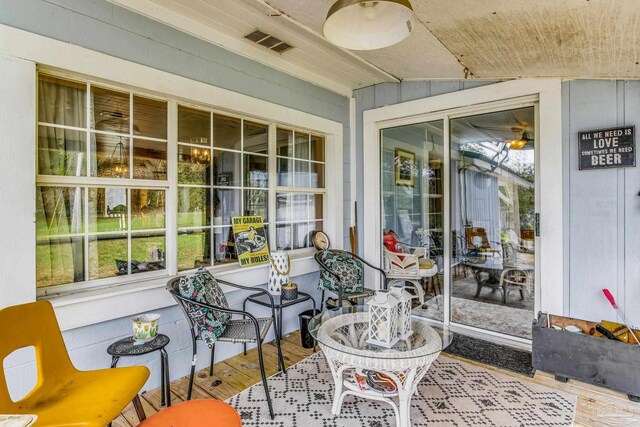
(342, 273)
(517, 273)
(63, 395)
(404, 263)
(210, 319)
(478, 243)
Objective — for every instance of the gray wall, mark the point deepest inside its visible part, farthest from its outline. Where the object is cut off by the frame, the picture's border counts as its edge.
(107, 28)
(602, 208)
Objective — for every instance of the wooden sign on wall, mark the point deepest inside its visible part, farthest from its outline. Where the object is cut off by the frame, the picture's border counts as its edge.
(607, 148)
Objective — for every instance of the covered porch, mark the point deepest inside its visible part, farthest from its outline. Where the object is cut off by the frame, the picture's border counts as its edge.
(447, 210)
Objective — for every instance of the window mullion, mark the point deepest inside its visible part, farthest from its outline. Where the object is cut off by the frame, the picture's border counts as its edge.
(88, 129)
(86, 233)
(212, 234)
(87, 174)
(171, 205)
(273, 184)
(242, 178)
(130, 135)
(129, 255)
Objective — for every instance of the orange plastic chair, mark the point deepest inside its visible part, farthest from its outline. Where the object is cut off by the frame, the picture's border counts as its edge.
(63, 395)
(192, 413)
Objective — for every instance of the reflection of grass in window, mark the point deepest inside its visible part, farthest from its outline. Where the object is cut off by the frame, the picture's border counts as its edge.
(43, 228)
(191, 219)
(54, 264)
(103, 254)
(109, 224)
(191, 249)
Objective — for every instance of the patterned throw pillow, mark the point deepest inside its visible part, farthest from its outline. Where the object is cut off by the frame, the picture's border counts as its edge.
(349, 270)
(203, 287)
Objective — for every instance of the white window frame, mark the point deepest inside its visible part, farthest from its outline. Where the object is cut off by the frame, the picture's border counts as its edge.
(93, 306)
(88, 181)
(547, 94)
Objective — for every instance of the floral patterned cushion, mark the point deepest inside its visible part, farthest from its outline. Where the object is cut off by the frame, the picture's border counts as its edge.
(203, 287)
(349, 270)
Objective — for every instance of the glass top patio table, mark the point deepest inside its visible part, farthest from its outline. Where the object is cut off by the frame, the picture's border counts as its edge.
(346, 330)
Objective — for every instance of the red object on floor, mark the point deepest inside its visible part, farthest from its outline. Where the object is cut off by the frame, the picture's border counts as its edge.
(196, 413)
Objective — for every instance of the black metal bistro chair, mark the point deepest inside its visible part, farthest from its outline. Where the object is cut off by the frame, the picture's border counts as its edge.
(249, 329)
(342, 272)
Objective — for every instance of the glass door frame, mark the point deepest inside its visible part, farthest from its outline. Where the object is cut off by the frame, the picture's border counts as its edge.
(448, 280)
(446, 116)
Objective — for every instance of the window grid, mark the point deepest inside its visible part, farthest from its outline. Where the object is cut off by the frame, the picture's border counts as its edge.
(170, 184)
(87, 180)
(239, 187)
(291, 229)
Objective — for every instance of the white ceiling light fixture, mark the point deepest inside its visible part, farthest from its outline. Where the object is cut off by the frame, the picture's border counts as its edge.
(368, 25)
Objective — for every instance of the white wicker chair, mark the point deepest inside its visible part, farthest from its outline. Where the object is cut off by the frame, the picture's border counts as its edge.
(401, 268)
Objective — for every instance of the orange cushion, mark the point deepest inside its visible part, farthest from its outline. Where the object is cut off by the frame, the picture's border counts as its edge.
(193, 412)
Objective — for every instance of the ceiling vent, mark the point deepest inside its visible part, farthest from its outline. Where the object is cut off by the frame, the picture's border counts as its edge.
(268, 41)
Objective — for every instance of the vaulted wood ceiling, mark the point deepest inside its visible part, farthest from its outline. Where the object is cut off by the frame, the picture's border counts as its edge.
(492, 39)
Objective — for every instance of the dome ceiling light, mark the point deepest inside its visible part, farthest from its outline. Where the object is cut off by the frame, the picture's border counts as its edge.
(368, 25)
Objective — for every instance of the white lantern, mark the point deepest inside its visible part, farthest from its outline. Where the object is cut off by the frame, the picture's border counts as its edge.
(404, 311)
(279, 271)
(383, 319)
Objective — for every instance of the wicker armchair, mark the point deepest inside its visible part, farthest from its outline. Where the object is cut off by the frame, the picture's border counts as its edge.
(249, 329)
(342, 272)
(518, 263)
(413, 267)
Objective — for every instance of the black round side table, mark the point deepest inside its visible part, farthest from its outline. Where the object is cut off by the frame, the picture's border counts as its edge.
(128, 347)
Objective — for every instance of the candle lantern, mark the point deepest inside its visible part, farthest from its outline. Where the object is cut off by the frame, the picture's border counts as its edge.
(404, 311)
(383, 319)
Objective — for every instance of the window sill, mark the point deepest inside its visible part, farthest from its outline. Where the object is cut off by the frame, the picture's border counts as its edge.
(100, 305)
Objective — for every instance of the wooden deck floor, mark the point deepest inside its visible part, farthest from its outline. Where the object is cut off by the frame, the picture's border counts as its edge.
(595, 404)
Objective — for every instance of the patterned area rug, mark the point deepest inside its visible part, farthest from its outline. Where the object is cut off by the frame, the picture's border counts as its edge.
(453, 393)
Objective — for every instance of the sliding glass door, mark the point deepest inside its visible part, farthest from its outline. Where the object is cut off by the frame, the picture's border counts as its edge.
(492, 169)
(413, 209)
(458, 207)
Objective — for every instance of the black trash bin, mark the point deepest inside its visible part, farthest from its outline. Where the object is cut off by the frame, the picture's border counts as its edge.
(305, 317)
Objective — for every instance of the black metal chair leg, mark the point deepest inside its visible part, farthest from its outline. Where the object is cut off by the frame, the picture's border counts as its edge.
(137, 405)
(264, 379)
(163, 401)
(314, 313)
(322, 302)
(167, 377)
(281, 366)
(244, 308)
(193, 363)
(193, 371)
(213, 351)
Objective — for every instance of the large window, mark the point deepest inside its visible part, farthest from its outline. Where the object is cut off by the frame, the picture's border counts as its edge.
(223, 171)
(105, 177)
(299, 200)
(102, 179)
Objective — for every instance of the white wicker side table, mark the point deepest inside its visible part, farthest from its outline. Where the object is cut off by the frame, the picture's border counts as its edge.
(342, 336)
